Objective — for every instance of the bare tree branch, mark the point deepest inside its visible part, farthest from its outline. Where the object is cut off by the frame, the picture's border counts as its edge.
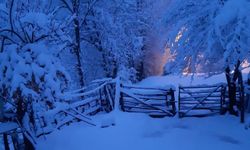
(11, 31)
(2, 45)
(40, 38)
(57, 9)
(67, 6)
(90, 7)
(26, 36)
(10, 15)
(7, 38)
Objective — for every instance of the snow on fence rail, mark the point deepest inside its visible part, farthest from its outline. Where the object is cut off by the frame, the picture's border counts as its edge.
(153, 101)
(81, 103)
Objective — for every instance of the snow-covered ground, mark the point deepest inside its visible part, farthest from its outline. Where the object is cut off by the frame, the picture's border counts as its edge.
(141, 132)
(130, 131)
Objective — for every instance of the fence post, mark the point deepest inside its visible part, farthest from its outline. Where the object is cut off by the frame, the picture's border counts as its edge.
(179, 101)
(247, 91)
(242, 99)
(118, 93)
(121, 100)
(172, 101)
(1, 109)
(222, 99)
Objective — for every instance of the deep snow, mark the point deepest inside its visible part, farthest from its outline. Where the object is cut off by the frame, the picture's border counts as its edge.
(140, 132)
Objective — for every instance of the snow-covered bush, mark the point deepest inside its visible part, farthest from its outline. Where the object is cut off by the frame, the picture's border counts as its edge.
(30, 70)
(34, 72)
(127, 74)
(33, 80)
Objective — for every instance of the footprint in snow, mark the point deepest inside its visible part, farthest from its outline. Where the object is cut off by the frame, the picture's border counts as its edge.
(180, 126)
(154, 134)
(228, 139)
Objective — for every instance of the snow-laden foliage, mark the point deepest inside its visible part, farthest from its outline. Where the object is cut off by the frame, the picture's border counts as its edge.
(121, 39)
(115, 29)
(208, 35)
(31, 75)
(34, 71)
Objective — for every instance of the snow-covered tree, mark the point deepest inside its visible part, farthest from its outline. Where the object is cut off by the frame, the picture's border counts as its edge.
(208, 35)
(78, 11)
(115, 28)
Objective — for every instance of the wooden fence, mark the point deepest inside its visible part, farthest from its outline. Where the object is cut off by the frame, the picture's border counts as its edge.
(97, 97)
(193, 99)
(100, 96)
(211, 99)
(153, 101)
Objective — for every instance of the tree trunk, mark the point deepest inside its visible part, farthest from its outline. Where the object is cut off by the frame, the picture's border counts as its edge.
(231, 81)
(242, 97)
(248, 95)
(2, 45)
(1, 109)
(231, 91)
(6, 143)
(28, 144)
(248, 80)
(77, 43)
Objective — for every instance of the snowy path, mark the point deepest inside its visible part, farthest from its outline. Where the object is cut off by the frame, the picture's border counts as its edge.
(140, 132)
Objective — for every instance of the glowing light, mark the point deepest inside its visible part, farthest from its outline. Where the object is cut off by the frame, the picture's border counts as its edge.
(180, 34)
(246, 66)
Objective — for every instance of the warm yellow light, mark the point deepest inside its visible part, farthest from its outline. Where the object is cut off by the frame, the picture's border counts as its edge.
(180, 34)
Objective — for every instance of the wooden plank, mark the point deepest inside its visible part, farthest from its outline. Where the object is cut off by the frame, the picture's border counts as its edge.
(145, 110)
(199, 102)
(141, 108)
(199, 92)
(144, 106)
(207, 103)
(148, 112)
(7, 127)
(78, 117)
(109, 97)
(81, 114)
(197, 97)
(147, 98)
(139, 100)
(201, 86)
(144, 88)
(217, 99)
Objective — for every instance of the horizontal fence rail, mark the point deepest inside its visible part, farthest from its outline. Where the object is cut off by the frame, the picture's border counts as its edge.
(81, 104)
(153, 101)
(201, 100)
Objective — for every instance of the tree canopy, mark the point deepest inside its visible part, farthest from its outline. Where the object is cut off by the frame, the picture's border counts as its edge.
(208, 35)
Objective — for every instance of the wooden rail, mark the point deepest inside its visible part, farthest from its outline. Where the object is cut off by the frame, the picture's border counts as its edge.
(152, 101)
(97, 97)
(193, 99)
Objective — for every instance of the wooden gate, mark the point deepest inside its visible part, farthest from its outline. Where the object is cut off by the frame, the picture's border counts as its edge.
(153, 101)
(201, 100)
